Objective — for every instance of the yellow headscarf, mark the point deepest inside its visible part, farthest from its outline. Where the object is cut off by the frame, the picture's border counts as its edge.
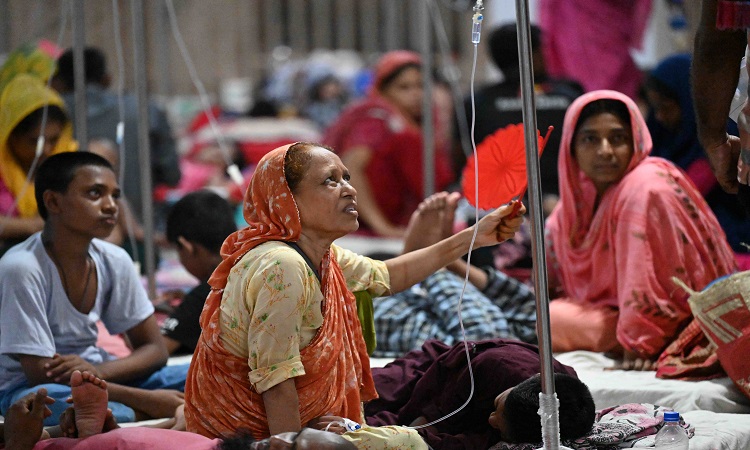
(23, 95)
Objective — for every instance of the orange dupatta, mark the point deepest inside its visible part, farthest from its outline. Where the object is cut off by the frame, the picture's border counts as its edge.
(219, 398)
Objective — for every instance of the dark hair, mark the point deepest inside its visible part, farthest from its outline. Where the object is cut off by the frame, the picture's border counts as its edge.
(522, 405)
(95, 66)
(240, 441)
(504, 46)
(57, 172)
(297, 161)
(34, 119)
(395, 74)
(203, 217)
(605, 105)
(655, 84)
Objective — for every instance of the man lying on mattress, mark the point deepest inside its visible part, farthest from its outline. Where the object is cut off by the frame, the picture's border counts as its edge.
(58, 283)
(427, 384)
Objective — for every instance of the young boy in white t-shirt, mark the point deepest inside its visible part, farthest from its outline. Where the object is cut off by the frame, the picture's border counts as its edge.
(58, 283)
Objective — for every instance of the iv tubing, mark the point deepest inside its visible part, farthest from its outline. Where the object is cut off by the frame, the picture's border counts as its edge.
(232, 169)
(468, 259)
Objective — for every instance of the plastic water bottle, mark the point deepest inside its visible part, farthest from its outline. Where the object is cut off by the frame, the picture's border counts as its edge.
(671, 436)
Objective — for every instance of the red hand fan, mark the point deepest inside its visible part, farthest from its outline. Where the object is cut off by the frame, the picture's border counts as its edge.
(502, 168)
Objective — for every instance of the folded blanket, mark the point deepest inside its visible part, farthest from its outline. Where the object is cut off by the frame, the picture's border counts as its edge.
(632, 425)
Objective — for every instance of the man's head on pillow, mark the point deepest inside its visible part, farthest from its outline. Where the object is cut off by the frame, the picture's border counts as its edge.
(516, 410)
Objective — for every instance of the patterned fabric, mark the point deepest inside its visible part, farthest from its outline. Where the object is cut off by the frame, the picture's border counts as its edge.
(506, 308)
(385, 438)
(22, 96)
(269, 318)
(633, 425)
(649, 227)
(219, 397)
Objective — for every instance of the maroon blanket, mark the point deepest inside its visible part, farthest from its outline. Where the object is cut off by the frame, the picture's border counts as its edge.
(434, 381)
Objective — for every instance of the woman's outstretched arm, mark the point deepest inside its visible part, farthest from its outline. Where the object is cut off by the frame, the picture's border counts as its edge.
(410, 268)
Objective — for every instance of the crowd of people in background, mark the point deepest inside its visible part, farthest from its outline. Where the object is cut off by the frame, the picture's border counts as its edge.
(329, 147)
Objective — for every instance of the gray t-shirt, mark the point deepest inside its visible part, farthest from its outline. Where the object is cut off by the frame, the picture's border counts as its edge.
(36, 317)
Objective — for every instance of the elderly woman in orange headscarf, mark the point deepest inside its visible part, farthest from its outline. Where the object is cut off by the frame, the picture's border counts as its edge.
(28, 110)
(380, 140)
(282, 344)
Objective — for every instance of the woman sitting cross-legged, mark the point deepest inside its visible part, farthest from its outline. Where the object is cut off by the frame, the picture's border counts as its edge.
(281, 343)
(625, 225)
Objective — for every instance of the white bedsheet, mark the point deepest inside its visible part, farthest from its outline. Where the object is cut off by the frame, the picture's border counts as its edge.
(365, 245)
(617, 387)
(719, 431)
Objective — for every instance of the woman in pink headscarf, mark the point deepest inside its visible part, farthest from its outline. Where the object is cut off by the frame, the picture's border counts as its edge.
(380, 140)
(625, 225)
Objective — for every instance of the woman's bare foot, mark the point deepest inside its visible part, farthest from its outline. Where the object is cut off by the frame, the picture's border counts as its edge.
(432, 221)
(89, 394)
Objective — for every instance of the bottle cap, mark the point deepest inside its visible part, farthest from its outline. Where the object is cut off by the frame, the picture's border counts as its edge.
(671, 416)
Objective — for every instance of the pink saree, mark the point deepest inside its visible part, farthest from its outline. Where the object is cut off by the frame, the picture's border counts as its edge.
(613, 266)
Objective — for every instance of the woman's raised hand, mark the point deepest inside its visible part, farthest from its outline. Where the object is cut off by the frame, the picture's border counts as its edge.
(499, 225)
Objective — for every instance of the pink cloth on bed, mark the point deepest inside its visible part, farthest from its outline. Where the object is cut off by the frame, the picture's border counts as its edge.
(134, 438)
(650, 226)
(114, 345)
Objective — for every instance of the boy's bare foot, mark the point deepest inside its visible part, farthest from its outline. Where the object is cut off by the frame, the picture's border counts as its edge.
(432, 221)
(89, 394)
